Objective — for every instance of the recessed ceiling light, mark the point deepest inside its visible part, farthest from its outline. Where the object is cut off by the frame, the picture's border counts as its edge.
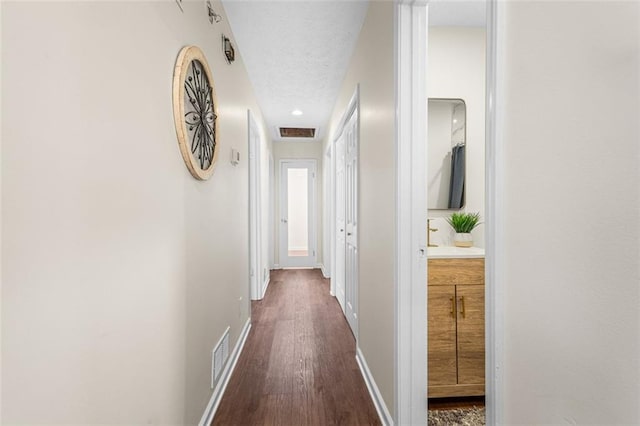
(296, 112)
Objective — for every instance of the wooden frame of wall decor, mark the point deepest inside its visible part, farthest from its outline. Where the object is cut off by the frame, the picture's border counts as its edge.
(186, 57)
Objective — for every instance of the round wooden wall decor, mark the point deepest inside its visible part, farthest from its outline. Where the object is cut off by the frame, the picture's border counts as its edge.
(195, 112)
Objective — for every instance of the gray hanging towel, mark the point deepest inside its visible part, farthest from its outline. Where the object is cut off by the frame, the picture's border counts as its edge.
(456, 188)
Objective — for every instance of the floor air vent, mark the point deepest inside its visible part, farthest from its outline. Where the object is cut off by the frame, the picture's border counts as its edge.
(297, 132)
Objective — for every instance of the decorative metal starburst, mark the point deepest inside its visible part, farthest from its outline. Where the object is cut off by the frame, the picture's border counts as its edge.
(200, 117)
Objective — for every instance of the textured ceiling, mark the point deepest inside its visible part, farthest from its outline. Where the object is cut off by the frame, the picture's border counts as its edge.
(297, 51)
(296, 54)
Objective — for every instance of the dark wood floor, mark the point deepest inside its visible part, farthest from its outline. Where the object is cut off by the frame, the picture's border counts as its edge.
(298, 365)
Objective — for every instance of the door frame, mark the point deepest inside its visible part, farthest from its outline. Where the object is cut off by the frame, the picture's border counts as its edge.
(272, 212)
(256, 260)
(495, 284)
(327, 216)
(332, 195)
(410, 364)
(313, 259)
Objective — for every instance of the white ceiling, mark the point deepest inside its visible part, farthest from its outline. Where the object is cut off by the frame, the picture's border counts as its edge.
(296, 54)
(457, 13)
(297, 51)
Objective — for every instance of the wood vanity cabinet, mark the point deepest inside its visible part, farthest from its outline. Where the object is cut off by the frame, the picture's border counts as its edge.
(456, 327)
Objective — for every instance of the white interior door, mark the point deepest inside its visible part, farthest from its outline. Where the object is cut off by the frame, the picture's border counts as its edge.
(297, 213)
(351, 221)
(340, 224)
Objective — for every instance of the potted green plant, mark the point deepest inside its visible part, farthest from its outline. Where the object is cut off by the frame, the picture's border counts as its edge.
(463, 224)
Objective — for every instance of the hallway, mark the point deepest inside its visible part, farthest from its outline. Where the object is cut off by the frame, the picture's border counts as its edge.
(298, 365)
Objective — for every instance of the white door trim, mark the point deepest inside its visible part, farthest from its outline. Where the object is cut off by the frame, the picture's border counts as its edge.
(494, 217)
(332, 250)
(272, 212)
(410, 361)
(352, 106)
(256, 261)
(311, 260)
(411, 212)
(327, 217)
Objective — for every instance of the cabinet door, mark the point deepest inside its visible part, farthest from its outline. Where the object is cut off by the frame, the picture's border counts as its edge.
(470, 307)
(442, 335)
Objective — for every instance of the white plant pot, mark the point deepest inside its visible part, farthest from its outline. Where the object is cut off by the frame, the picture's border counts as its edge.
(464, 239)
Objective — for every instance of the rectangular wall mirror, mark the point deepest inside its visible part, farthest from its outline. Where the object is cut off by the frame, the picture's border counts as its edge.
(446, 152)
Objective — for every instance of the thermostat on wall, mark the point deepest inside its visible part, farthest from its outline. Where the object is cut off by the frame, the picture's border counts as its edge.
(235, 157)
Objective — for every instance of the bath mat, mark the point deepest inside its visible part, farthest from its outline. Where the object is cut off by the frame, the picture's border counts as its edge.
(457, 417)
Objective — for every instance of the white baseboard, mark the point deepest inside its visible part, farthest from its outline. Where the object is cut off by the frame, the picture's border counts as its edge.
(324, 271)
(276, 266)
(378, 401)
(264, 287)
(216, 397)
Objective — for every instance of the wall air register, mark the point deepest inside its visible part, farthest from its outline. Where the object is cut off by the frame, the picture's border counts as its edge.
(297, 132)
(219, 356)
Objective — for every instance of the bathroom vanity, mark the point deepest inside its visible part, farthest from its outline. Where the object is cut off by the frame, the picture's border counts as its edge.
(456, 349)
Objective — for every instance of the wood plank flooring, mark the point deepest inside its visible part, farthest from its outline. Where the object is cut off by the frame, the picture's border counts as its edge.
(298, 365)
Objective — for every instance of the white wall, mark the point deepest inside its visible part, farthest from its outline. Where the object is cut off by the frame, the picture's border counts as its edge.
(372, 67)
(297, 150)
(572, 208)
(120, 271)
(457, 70)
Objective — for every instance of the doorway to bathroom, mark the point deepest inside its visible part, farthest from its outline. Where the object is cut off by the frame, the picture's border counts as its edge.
(455, 177)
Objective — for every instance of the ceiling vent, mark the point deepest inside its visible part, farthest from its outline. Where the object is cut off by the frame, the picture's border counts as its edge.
(297, 132)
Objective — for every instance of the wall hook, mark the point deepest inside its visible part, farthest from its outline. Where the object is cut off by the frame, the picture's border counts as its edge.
(213, 16)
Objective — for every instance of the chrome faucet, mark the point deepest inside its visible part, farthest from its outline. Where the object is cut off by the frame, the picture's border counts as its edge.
(429, 230)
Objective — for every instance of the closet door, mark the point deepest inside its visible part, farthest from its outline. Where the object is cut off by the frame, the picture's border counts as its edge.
(470, 307)
(351, 221)
(341, 241)
(442, 335)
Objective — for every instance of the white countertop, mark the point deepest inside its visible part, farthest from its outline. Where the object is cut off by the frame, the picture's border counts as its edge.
(446, 252)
